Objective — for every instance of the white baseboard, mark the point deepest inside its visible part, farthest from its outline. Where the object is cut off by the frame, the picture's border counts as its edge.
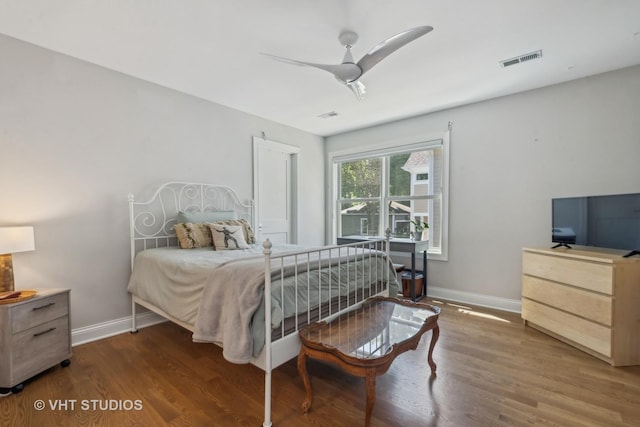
(505, 304)
(113, 327)
(118, 326)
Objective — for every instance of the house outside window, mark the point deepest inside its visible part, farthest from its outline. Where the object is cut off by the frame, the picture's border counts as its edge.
(364, 226)
(390, 188)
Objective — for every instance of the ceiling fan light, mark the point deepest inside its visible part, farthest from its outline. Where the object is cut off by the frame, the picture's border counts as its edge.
(358, 89)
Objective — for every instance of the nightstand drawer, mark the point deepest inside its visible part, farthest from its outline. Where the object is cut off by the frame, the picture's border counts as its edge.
(40, 348)
(38, 311)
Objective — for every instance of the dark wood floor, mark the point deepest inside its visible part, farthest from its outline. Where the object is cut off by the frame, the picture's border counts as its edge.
(492, 371)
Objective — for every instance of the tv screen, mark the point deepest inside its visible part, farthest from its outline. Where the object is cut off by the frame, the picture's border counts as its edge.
(611, 221)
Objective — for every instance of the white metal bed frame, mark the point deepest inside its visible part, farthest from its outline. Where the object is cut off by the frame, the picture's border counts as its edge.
(151, 226)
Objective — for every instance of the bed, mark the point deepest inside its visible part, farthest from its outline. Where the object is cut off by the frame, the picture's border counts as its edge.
(220, 294)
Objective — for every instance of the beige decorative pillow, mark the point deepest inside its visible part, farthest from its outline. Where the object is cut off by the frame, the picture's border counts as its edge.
(249, 236)
(227, 237)
(192, 236)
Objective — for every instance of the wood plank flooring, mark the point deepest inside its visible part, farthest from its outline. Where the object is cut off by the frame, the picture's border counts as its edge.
(492, 371)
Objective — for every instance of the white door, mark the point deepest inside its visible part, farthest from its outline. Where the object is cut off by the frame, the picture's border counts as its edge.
(274, 182)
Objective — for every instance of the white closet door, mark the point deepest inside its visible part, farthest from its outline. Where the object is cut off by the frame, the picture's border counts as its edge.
(274, 190)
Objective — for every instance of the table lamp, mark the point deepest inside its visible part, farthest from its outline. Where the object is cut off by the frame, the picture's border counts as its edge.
(12, 240)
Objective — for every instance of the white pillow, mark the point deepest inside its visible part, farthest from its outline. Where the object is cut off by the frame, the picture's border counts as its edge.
(249, 235)
(227, 237)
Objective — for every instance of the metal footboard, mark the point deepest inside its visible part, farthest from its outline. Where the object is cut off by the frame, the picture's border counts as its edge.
(368, 271)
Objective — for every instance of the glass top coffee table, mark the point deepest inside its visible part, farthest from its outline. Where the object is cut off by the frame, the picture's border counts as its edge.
(364, 342)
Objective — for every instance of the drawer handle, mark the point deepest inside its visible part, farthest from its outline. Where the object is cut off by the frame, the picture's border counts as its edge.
(44, 332)
(43, 306)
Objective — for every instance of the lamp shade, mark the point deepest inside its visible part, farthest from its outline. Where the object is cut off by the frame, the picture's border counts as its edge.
(16, 239)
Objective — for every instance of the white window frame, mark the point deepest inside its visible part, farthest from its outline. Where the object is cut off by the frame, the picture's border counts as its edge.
(396, 147)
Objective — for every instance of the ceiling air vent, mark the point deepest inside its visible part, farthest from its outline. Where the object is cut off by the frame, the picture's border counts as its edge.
(522, 58)
(327, 115)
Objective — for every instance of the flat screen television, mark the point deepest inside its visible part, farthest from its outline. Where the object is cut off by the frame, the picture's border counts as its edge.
(610, 221)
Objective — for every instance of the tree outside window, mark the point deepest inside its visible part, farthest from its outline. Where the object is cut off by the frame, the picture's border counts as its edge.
(390, 191)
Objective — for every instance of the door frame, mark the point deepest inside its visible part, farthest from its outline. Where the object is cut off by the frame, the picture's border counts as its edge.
(292, 151)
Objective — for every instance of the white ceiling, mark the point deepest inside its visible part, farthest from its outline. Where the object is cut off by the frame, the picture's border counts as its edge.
(211, 49)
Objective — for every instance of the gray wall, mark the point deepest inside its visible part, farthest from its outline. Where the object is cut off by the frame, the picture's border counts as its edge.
(509, 157)
(76, 138)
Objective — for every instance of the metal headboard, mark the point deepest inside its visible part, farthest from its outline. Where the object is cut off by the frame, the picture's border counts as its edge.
(151, 222)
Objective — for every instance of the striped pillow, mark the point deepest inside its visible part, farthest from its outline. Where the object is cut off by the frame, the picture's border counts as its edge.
(192, 236)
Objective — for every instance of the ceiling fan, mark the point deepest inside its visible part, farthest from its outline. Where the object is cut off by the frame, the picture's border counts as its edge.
(349, 72)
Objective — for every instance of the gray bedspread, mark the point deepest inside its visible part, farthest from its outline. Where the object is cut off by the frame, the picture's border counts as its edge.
(232, 306)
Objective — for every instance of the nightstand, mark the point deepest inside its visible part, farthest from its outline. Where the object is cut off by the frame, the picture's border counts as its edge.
(35, 335)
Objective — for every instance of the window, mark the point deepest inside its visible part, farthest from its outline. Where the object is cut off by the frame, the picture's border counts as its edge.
(393, 188)
(364, 226)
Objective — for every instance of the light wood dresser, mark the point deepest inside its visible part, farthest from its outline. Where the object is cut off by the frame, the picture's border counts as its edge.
(588, 299)
(35, 335)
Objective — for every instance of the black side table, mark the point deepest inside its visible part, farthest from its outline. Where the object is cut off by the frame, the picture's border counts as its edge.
(402, 245)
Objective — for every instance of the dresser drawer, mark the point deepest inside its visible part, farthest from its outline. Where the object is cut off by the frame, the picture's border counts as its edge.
(588, 305)
(38, 311)
(591, 335)
(39, 348)
(588, 275)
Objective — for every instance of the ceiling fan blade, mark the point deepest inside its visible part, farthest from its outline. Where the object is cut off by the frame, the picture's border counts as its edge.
(390, 45)
(357, 88)
(333, 69)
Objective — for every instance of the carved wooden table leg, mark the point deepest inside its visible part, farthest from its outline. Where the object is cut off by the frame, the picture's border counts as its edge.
(302, 370)
(434, 337)
(335, 341)
(370, 380)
